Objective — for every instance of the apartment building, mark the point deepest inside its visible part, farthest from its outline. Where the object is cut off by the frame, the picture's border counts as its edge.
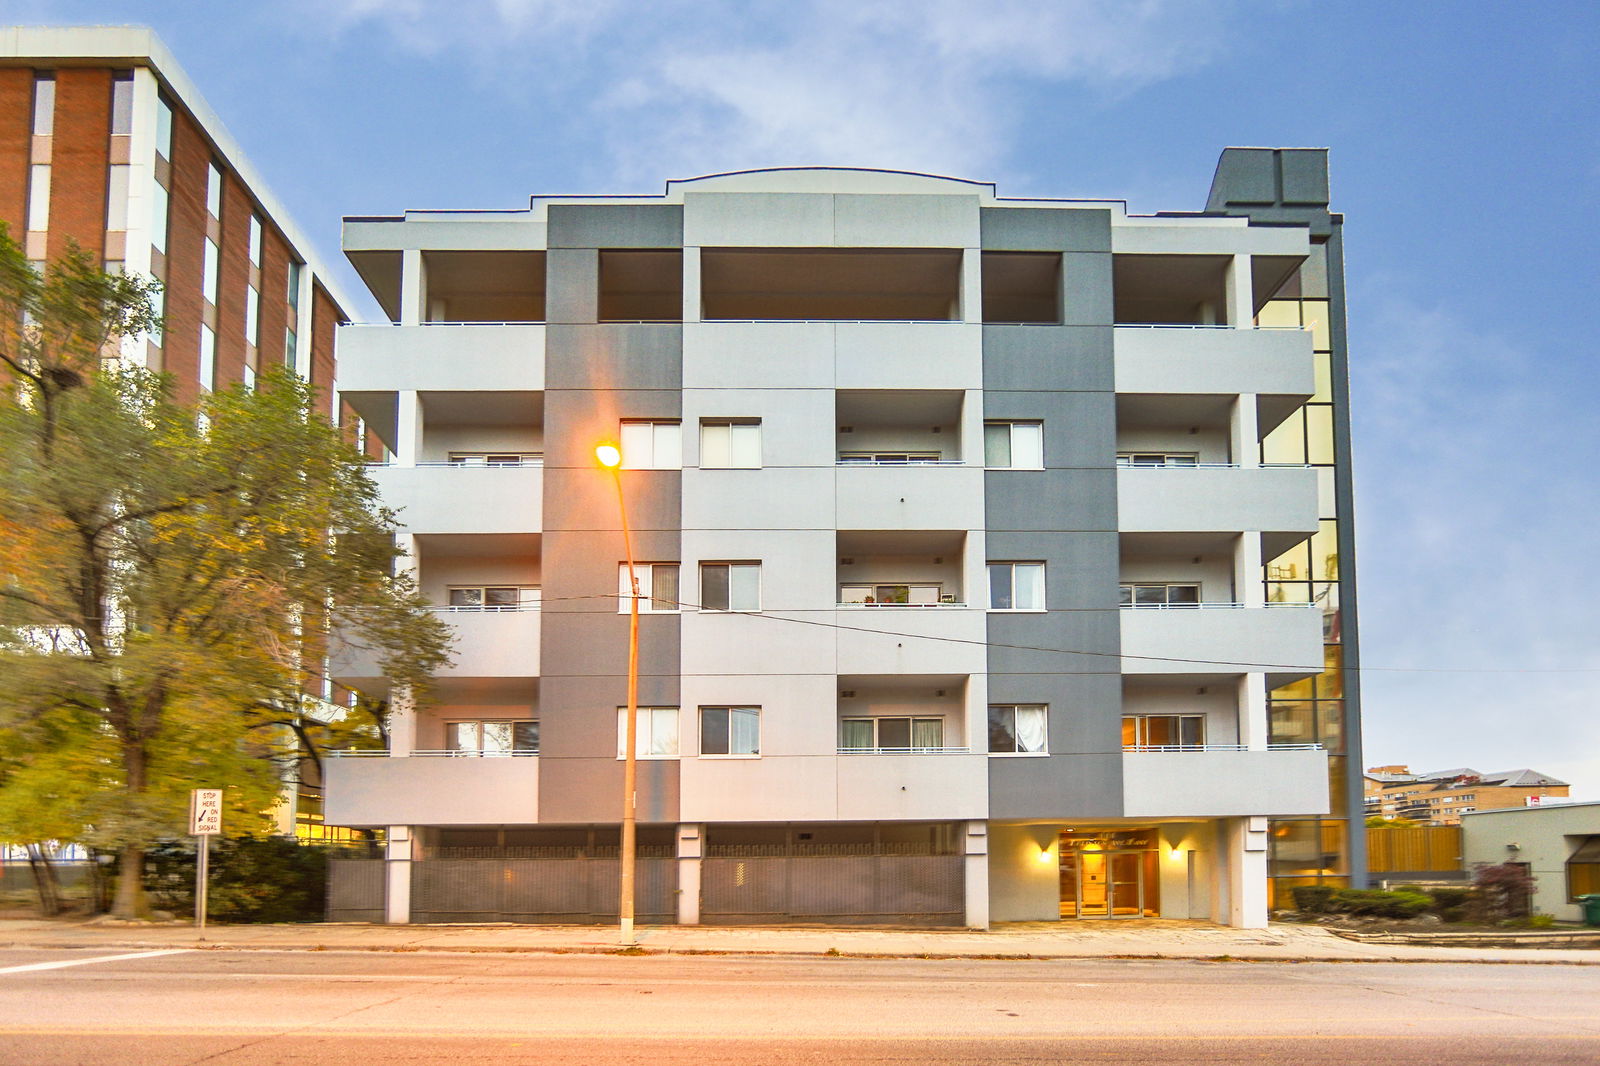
(988, 550)
(1441, 797)
(104, 141)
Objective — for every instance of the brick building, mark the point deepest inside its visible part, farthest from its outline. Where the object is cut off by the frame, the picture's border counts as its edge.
(1441, 797)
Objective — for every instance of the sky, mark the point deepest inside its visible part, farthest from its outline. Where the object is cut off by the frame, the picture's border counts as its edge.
(1465, 155)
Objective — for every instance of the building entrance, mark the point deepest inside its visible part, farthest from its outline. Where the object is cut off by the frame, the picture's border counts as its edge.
(1110, 874)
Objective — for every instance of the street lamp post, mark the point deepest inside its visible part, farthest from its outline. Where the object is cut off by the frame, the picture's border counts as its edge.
(610, 457)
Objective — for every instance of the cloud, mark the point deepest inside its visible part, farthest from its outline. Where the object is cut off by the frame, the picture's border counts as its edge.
(1476, 520)
(683, 88)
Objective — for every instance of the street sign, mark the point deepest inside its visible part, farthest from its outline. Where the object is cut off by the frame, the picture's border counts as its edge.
(205, 812)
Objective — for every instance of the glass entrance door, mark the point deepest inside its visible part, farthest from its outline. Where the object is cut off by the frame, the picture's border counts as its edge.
(1108, 882)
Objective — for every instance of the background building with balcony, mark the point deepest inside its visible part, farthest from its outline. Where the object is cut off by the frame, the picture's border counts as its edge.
(978, 581)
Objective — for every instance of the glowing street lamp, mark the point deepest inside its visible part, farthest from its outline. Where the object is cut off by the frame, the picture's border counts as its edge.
(610, 456)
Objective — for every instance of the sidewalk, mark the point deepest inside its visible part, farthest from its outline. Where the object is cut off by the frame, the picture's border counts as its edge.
(1139, 939)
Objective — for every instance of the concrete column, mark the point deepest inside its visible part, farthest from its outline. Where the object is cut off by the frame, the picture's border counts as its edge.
(1253, 711)
(1247, 872)
(976, 836)
(691, 284)
(397, 876)
(971, 309)
(1244, 432)
(408, 428)
(413, 287)
(1249, 588)
(402, 723)
(691, 848)
(1240, 293)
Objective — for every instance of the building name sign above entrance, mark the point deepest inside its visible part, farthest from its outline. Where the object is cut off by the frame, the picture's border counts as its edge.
(1135, 840)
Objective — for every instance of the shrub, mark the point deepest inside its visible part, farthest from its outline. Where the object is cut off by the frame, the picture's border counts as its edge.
(1379, 904)
(1450, 904)
(1312, 899)
(1501, 892)
(271, 879)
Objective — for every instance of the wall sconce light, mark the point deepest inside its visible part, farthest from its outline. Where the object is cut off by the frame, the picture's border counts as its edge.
(1044, 854)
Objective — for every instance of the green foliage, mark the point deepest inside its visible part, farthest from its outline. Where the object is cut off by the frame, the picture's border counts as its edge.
(1501, 892)
(1312, 899)
(169, 578)
(1451, 904)
(267, 879)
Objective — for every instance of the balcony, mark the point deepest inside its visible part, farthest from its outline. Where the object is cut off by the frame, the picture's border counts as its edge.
(493, 643)
(1282, 639)
(441, 356)
(1219, 498)
(911, 495)
(911, 786)
(430, 789)
(1200, 360)
(1224, 781)
(444, 497)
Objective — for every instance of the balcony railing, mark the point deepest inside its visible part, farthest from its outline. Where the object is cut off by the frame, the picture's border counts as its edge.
(1216, 747)
(1200, 325)
(432, 753)
(521, 461)
(1205, 606)
(905, 751)
(941, 603)
(900, 462)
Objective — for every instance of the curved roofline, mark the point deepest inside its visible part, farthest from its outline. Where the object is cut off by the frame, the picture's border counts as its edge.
(855, 170)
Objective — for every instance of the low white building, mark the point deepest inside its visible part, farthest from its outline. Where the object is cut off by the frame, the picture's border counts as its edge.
(1558, 844)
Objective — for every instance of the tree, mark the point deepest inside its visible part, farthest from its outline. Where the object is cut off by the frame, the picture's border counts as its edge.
(170, 576)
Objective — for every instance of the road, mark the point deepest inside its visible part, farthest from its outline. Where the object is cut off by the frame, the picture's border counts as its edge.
(250, 1008)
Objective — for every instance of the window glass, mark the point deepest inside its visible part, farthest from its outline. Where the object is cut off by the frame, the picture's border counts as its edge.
(652, 445)
(44, 105)
(997, 444)
(39, 197)
(525, 736)
(294, 284)
(730, 445)
(855, 733)
(496, 736)
(927, 732)
(117, 197)
(255, 240)
(164, 129)
(461, 736)
(1319, 433)
(1016, 586)
(1017, 728)
(214, 191)
(1013, 445)
(1287, 443)
(208, 278)
(1000, 593)
(208, 359)
(249, 378)
(252, 316)
(290, 347)
(730, 586)
(730, 730)
(158, 217)
(122, 106)
(657, 731)
(658, 587)
(894, 732)
(1280, 313)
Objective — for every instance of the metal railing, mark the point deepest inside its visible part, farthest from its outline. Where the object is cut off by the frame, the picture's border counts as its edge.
(1170, 748)
(432, 753)
(1199, 325)
(905, 751)
(900, 462)
(941, 603)
(524, 461)
(1208, 606)
(485, 608)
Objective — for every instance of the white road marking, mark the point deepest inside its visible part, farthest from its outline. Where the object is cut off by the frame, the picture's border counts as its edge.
(85, 962)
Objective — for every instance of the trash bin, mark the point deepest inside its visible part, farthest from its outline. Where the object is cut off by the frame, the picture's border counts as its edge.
(1591, 910)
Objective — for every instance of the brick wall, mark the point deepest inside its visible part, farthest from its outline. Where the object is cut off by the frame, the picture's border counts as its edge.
(80, 155)
(235, 278)
(191, 155)
(16, 135)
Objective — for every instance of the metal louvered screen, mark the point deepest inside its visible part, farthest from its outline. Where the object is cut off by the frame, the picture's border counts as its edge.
(355, 890)
(841, 889)
(579, 890)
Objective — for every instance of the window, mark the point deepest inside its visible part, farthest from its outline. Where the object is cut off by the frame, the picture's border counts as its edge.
(887, 458)
(730, 731)
(122, 105)
(214, 191)
(164, 129)
(658, 587)
(1159, 594)
(657, 736)
(290, 347)
(493, 597)
(1163, 731)
(294, 284)
(1583, 869)
(1013, 445)
(249, 378)
(39, 197)
(493, 738)
(1016, 728)
(255, 240)
(496, 458)
(870, 735)
(158, 217)
(1016, 586)
(208, 359)
(252, 316)
(893, 595)
(208, 278)
(727, 444)
(44, 105)
(117, 197)
(1158, 458)
(730, 586)
(652, 445)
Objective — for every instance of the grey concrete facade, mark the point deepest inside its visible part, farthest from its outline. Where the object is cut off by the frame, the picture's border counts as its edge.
(878, 430)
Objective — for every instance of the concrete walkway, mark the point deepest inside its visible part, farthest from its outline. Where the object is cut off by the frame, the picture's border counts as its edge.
(1138, 939)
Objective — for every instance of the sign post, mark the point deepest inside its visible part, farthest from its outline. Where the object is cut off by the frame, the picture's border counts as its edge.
(205, 822)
